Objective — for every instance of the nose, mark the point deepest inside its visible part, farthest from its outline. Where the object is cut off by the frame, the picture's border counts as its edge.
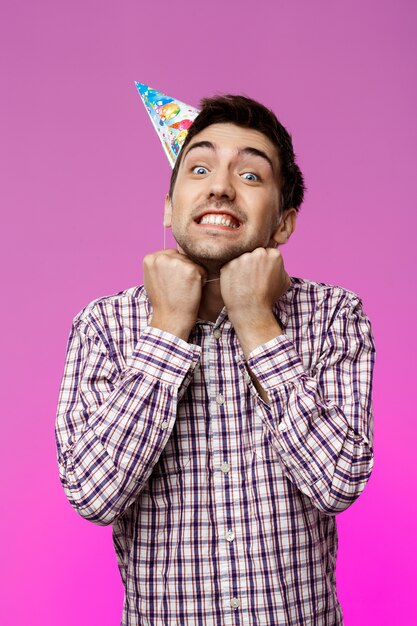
(221, 185)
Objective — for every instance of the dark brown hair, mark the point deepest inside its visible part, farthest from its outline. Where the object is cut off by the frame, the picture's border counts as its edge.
(249, 113)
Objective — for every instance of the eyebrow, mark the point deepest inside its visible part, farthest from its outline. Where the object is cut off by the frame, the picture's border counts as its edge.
(200, 144)
(248, 150)
(255, 152)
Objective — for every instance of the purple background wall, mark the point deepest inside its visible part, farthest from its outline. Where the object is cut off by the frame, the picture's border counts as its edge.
(83, 183)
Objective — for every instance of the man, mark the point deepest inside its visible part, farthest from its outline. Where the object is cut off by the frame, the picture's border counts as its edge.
(220, 416)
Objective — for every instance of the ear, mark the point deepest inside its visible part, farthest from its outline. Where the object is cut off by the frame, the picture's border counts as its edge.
(285, 227)
(168, 212)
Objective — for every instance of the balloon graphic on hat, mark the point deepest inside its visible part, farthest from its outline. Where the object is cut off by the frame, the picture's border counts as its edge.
(171, 119)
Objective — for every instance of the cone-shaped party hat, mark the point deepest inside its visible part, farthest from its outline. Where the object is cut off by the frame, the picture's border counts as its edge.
(171, 119)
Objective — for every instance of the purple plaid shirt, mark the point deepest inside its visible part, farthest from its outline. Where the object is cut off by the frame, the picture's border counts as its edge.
(223, 507)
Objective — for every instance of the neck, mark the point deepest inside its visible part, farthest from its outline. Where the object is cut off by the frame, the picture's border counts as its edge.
(211, 300)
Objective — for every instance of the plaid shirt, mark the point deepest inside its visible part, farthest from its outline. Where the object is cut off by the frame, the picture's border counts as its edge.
(223, 507)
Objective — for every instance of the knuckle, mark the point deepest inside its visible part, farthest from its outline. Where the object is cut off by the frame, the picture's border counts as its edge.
(274, 254)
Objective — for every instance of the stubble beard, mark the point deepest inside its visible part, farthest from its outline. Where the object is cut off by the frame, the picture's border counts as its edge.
(212, 260)
(214, 257)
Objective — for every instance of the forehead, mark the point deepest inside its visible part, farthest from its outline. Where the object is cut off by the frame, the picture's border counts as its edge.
(228, 139)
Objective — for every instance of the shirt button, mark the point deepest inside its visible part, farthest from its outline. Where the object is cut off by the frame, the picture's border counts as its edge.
(164, 425)
(225, 468)
(247, 378)
(282, 426)
(220, 398)
(217, 333)
(230, 535)
(235, 603)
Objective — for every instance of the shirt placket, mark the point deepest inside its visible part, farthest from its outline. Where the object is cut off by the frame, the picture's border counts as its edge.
(227, 530)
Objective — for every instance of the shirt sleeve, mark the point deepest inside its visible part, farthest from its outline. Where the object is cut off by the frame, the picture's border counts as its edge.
(111, 427)
(321, 425)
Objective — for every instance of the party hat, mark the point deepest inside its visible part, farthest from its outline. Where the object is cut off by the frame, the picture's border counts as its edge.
(171, 119)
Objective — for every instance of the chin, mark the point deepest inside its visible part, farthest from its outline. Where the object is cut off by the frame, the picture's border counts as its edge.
(210, 258)
(214, 253)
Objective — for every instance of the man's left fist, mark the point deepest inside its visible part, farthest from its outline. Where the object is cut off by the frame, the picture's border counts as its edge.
(251, 284)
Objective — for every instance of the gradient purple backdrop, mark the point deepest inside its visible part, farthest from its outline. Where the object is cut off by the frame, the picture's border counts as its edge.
(83, 184)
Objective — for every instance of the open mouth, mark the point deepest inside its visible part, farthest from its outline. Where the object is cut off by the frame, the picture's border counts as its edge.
(218, 219)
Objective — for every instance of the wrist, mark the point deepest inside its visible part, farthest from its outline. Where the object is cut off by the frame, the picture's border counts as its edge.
(248, 318)
(255, 331)
(179, 327)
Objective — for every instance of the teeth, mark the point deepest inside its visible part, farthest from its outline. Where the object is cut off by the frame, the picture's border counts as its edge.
(216, 219)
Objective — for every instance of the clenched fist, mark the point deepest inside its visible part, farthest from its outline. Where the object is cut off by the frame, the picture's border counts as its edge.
(174, 284)
(250, 285)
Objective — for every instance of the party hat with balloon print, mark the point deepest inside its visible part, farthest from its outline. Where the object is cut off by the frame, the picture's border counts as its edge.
(171, 119)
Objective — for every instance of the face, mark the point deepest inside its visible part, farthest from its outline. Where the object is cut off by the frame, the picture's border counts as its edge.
(226, 197)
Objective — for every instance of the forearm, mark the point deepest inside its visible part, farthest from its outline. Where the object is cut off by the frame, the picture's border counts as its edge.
(322, 443)
(318, 449)
(252, 332)
(106, 466)
(110, 439)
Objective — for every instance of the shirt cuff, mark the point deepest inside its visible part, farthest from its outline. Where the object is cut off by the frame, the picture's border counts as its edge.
(275, 362)
(163, 356)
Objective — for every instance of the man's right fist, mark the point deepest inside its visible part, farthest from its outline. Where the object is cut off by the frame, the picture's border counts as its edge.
(174, 284)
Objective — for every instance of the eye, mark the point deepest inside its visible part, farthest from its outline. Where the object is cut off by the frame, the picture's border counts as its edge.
(250, 176)
(199, 170)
